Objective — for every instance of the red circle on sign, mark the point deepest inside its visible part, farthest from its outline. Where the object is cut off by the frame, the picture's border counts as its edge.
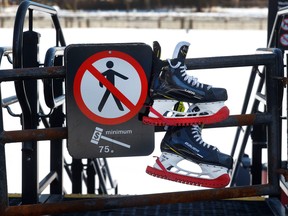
(284, 24)
(284, 39)
(88, 65)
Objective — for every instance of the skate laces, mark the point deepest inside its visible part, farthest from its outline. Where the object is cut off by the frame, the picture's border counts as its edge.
(188, 78)
(196, 131)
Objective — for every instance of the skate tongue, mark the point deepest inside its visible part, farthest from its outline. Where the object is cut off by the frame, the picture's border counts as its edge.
(181, 50)
(157, 49)
(175, 63)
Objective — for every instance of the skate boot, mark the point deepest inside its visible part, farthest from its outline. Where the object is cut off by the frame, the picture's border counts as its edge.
(204, 104)
(186, 144)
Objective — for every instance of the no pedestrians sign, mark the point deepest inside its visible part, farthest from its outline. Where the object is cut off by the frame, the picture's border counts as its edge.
(106, 91)
(110, 87)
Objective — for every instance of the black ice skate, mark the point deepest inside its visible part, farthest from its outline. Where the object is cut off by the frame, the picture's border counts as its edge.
(205, 104)
(185, 143)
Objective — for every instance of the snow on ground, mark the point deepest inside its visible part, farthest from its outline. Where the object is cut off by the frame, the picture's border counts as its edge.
(215, 11)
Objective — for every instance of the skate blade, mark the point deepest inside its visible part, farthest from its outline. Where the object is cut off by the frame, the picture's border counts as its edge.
(219, 182)
(221, 115)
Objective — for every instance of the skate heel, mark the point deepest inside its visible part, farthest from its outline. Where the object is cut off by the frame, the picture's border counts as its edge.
(162, 114)
(204, 109)
(162, 108)
(166, 168)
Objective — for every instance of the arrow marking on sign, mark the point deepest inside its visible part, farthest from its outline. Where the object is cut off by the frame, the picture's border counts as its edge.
(97, 135)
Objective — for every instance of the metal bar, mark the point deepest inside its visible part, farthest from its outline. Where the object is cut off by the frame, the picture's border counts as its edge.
(192, 63)
(57, 119)
(90, 177)
(3, 173)
(245, 119)
(59, 34)
(272, 13)
(230, 61)
(4, 51)
(32, 73)
(38, 7)
(47, 181)
(101, 176)
(236, 120)
(3, 181)
(77, 176)
(62, 133)
(274, 102)
(284, 181)
(57, 164)
(260, 97)
(19, 24)
(27, 94)
(115, 202)
(53, 57)
(247, 132)
(33, 135)
(240, 155)
(244, 106)
(67, 169)
(111, 181)
(30, 20)
(9, 100)
(256, 168)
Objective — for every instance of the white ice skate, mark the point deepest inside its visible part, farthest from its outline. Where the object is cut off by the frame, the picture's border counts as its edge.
(210, 176)
(184, 144)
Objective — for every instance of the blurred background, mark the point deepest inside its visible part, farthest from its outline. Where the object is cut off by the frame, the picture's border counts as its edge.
(196, 5)
(184, 14)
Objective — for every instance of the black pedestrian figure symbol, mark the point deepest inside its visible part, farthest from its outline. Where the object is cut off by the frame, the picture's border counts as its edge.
(110, 76)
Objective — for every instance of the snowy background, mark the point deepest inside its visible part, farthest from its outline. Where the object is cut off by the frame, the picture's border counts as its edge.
(130, 171)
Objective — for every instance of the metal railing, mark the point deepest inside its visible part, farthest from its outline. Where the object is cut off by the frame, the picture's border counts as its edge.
(272, 60)
(258, 132)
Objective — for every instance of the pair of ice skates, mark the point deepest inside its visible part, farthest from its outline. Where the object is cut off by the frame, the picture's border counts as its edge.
(183, 104)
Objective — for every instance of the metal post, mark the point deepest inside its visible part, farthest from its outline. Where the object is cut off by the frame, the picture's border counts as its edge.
(259, 137)
(274, 102)
(3, 176)
(56, 155)
(272, 11)
(77, 176)
(30, 181)
(90, 177)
